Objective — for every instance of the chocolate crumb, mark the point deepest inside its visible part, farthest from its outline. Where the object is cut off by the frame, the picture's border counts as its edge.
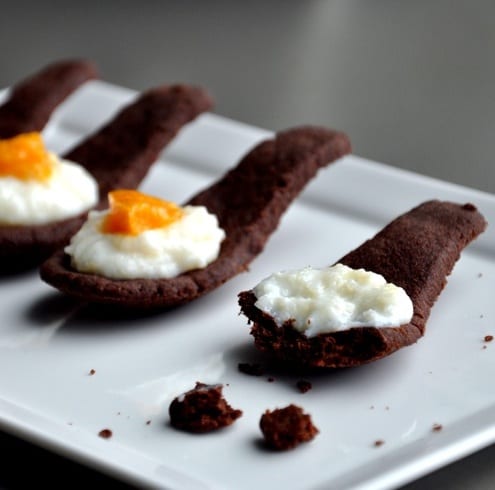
(484, 347)
(202, 409)
(286, 428)
(437, 427)
(270, 379)
(379, 442)
(488, 338)
(372, 407)
(148, 422)
(303, 385)
(91, 372)
(251, 369)
(480, 274)
(105, 433)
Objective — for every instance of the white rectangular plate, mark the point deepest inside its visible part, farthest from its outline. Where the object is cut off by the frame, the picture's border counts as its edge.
(48, 344)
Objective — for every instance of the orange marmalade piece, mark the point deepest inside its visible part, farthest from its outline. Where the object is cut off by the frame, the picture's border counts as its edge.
(25, 157)
(132, 212)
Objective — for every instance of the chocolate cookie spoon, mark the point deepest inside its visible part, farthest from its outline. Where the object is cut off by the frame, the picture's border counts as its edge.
(31, 102)
(248, 201)
(117, 155)
(416, 251)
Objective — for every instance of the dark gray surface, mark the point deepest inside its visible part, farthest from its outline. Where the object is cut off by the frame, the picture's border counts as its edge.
(411, 82)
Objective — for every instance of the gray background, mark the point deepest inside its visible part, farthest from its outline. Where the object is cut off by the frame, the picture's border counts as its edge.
(412, 83)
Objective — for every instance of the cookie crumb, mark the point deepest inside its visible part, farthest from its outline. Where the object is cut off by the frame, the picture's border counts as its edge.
(488, 338)
(303, 385)
(202, 409)
(469, 207)
(91, 372)
(252, 369)
(105, 433)
(437, 427)
(286, 428)
(379, 442)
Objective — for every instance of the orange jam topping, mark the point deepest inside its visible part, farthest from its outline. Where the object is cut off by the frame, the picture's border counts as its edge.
(132, 212)
(25, 157)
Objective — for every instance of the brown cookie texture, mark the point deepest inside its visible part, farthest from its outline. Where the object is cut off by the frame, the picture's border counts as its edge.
(286, 428)
(248, 201)
(416, 251)
(118, 155)
(32, 101)
(202, 409)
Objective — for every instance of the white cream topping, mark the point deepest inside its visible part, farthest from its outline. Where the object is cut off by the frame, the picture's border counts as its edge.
(332, 299)
(69, 191)
(191, 242)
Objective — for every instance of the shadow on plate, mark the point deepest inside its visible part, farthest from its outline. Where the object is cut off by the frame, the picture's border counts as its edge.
(76, 315)
(303, 380)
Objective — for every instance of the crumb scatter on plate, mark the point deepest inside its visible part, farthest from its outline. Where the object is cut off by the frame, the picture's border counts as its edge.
(252, 369)
(303, 385)
(202, 409)
(285, 428)
(105, 433)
